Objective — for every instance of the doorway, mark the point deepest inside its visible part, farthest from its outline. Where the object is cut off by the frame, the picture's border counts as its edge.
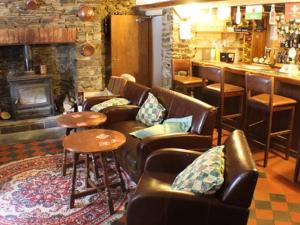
(131, 47)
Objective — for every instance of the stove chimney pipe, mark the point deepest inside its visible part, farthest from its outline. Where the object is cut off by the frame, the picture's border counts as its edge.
(28, 58)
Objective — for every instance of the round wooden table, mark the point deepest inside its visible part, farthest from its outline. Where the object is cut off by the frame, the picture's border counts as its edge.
(94, 142)
(73, 121)
(81, 120)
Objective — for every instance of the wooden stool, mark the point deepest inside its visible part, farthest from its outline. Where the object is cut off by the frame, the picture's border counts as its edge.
(297, 168)
(93, 142)
(260, 96)
(74, 121)
(214, 84)
(184, 81)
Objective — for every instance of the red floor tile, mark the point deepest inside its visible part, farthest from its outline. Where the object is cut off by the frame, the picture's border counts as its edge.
(264, 214)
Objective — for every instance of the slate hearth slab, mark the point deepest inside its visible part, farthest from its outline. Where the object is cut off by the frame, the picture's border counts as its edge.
(34, 135)
(11, 126)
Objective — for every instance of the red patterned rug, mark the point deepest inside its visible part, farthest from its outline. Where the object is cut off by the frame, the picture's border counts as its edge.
(33, 191)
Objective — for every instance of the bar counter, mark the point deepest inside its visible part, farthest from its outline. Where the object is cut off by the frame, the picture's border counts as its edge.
(285, 84)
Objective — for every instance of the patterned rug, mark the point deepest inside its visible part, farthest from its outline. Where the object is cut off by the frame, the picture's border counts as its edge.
(33, 191)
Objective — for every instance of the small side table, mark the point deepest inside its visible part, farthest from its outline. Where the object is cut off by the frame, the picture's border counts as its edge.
(73, 121)
(92, 142)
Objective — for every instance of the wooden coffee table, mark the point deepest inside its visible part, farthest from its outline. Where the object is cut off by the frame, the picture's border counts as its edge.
(94, 142)
(76, 120)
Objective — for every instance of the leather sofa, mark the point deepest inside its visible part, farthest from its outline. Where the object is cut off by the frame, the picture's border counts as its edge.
(134, 153)
(134, 92)
(155, 203)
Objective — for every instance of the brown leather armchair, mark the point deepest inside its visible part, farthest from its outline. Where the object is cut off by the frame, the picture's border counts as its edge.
(155, 203)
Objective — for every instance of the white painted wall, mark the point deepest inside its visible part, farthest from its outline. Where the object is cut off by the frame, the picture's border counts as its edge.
(156, 45)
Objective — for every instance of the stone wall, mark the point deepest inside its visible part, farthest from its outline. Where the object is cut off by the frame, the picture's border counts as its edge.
(172, 46)
(207, 31)
(167, 47)
(64, 62)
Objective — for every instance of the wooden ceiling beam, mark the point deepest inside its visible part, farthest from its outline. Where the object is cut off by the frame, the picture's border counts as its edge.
(172, 3)
(47, 35)
(166, 4)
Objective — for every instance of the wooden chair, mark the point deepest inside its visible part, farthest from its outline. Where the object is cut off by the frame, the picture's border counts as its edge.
(182, 76)
(216, 89)
(260, 96)
(116, 85)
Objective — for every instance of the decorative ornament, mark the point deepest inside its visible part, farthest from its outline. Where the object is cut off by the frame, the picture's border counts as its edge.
(86, 13)
(32, 4)
(87, 50)
(5, 115)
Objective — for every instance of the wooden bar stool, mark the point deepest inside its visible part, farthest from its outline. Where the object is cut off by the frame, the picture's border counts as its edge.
(215, 86)
(182, 76)
(260, 96)
(297, 168)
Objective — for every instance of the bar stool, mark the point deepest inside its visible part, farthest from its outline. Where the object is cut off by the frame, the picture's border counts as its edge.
(182, 76)
(297, 168)
(215, 86)
(260, 96)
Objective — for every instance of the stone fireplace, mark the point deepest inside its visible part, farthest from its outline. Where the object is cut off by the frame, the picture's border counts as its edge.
(28, 94)
(70, 71)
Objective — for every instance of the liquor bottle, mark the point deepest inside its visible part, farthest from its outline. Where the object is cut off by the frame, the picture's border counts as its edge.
(272, 16)
(291, 42)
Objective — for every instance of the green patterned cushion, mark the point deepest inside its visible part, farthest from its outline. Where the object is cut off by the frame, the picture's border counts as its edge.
(110, 102)
(169, 126)
(151, 112)
(185, 123)
(204, 175)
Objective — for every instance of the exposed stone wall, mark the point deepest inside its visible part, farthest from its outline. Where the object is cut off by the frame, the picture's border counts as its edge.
(11, 60)
(172, 46)
(167, 47)
(182, 48)
(63, 61)
(206, 33)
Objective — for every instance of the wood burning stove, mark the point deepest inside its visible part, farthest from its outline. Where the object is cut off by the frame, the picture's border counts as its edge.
(31, 94)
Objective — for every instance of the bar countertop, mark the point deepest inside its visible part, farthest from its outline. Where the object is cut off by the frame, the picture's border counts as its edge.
(254, 68)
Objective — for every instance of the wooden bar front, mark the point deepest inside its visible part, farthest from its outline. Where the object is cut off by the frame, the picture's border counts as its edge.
(285, 85)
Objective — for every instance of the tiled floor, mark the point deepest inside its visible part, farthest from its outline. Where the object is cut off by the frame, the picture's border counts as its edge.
(9, 153)
(276, 199)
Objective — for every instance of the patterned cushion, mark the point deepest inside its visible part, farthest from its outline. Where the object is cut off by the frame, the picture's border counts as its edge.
(169, 126)
(204, 175)
(110, 102)
(151, 112)
(185, 123)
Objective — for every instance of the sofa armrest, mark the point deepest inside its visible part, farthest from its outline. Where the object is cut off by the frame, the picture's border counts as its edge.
(176, 208)
(170, 160)
(160, 207)
(178, 140)
(120, 113)
(88, 103)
